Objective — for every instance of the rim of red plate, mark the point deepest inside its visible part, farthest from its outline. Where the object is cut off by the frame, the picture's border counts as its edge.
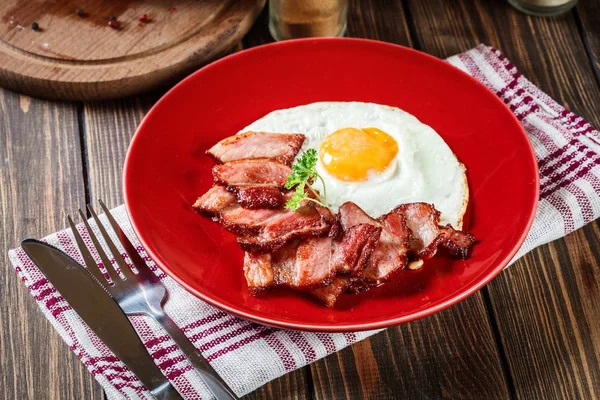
(468, 290)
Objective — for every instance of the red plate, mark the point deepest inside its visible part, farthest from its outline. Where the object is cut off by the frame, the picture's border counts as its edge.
(166, 170)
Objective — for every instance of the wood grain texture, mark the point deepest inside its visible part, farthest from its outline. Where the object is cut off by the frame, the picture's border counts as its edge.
(546, 305)
(588, 14)
(40, 181)
(108, 129)
(82, 58)
(548, 311)
(449, 355)
(293, 386)
(549, 51)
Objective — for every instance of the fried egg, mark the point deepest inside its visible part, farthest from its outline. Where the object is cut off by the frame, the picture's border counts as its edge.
(376, 156)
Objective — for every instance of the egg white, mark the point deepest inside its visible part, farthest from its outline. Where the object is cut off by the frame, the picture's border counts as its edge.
(425, 168)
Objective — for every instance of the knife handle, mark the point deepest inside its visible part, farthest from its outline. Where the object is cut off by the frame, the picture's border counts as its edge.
(210, 377)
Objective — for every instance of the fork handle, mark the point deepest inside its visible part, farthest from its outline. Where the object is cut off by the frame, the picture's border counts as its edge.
(217, 386)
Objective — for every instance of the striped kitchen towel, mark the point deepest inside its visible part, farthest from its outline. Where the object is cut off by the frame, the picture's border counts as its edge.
(248, 355)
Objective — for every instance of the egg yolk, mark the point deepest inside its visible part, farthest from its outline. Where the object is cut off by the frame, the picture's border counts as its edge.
(350, 154)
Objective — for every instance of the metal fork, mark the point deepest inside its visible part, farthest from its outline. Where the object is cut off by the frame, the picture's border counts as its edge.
(142, 293)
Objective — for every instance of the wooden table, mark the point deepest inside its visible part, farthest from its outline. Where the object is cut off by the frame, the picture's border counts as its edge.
(534, 332)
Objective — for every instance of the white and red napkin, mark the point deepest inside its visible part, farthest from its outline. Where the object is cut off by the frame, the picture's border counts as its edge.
(248, 355)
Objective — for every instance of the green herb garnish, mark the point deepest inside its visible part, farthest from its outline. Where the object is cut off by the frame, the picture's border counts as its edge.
(304, 173)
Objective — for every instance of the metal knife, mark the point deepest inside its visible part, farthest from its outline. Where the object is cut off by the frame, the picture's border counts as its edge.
(101, 313)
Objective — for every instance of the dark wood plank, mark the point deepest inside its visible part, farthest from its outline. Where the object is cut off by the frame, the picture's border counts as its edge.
(548, 311)
(40, 181)
(546, 305)
(109, 127)
(588, 12)
(293, 386)
(449, 355)
(548, 50)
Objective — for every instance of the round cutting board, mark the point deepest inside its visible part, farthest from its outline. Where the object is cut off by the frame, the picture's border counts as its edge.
(78, 56)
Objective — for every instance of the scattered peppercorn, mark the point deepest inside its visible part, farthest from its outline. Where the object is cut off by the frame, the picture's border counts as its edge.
(172, 9)
(144, 18)
(113, 24)
(35, 26)
(80, 12)
(112, 18)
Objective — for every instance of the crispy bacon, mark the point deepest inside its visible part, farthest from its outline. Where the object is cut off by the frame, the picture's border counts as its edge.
(309, 249)
(297, 264)
(260, 196)
(212, 202)
(427, 235)
(258, 272)
(280, 147)
(259, 171)
(312, 262)
(389, 255)
(422, 220)
(351, 255)
(244, 222)
(330, 293)
(286, 225)
(458, 243)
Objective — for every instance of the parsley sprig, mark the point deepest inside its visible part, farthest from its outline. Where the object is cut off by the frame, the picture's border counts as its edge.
(304, 173)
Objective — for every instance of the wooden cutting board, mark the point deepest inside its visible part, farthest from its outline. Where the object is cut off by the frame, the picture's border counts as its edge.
(78, 56)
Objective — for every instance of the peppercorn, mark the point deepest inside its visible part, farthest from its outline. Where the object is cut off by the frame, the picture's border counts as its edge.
(80, 12)
(113, 24)
(35, 26)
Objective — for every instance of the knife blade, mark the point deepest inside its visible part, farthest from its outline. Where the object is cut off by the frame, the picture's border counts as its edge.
(100, 312)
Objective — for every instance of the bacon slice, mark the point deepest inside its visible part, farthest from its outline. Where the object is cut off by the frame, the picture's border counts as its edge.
(258, 272)
(212, 202)
(330, 293)
(427, 235)
(270, 269)
(285, 225)
(260, 196)
(244, 222)
(422, 220)
(280, 147)
(260, 171)
(297, 264)
(312, 262)
(390, 250)
(458, 243)
(389, 255)
(351, 255)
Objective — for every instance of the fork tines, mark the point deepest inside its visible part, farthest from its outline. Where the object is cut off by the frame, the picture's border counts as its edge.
(114, 251)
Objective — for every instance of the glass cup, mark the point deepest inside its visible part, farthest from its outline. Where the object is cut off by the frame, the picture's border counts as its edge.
(543, 8)
(292, 19)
